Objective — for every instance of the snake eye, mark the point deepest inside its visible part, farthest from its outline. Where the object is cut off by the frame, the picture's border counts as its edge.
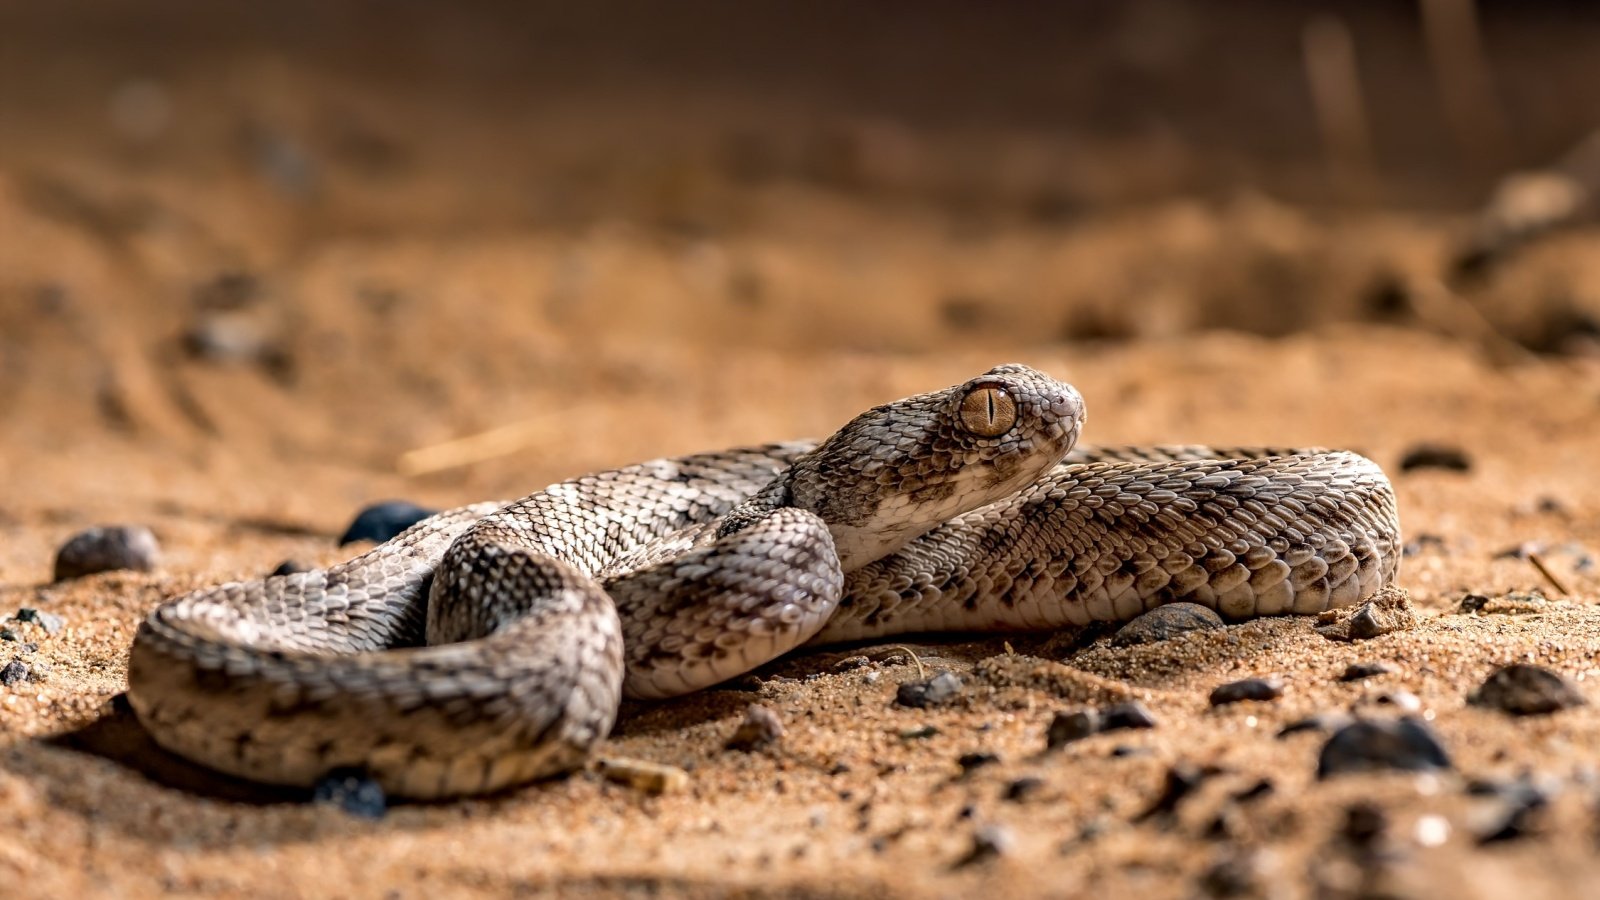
(988, 411)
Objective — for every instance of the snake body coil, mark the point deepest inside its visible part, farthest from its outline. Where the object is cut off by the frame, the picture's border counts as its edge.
(490, 645)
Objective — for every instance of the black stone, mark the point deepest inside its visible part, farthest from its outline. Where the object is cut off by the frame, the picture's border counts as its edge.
(353, 791)
(1023, 788)
(1435, 456)
(941, 688)
(14, 673)
(1356, 671)
(1522, 689)
(1167, 622)
(1328, 721)
(1132, 714)
(1406, 745)
(290, 567)
(761, 728)
(971, 761)
(1180, 782)
(1067, 727)
(383, 521)
(107, 549)
(50, 622)
(1249, 689)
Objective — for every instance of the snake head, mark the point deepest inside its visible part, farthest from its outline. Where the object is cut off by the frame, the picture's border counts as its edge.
(898, 470)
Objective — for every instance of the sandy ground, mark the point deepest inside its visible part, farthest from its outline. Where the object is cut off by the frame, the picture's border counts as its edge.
(239, 283)
(847, 803)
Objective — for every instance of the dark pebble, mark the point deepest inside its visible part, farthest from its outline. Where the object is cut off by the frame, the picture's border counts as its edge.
(1356, 671)
(352, 791)
(1472, 603)
(1329, 722)
(971, 761)
(988, 842)
(1405, 745)
(748, 684)
(919, 733)
(1180, 782)
(1527, 690)
(1067, 727)
(1435, 456)
(1248, 689)
(14, 673)
(941, 688)
(50, 622)
(1132, 714)
(7, 634)
(383, 521)
(1167, 622)
(290, 567)
(107, 549)
(1023, 788)
(761, 728)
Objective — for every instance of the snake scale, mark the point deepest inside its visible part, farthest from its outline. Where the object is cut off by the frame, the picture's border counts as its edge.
(490, 645)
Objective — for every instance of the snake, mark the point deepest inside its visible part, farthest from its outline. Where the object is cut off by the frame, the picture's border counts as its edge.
(491, 645)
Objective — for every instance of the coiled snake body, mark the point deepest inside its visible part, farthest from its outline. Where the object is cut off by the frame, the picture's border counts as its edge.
(490, 645)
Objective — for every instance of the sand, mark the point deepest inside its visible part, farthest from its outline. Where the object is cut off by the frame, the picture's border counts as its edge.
(234, 334)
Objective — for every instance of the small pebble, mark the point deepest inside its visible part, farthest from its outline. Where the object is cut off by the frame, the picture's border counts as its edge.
(1435, 456)
(1067, 727)
(1357, 671)
(970, 761)
(919, 733)
(49, 621)
(290, 567)
(643, 775)
(1522, 689)
(1328, 721)
(1023, 788)
(761, 728)
(1248, 689)
(851, 662)
(1167, 622)
(383, 521)
(1180, 782)
(14, 673)
(1388, 611)
(941, 688)
(107, 549)
(1132, 714)
(988, 842)
(353, 791)
(1368, 746)
(7, 634)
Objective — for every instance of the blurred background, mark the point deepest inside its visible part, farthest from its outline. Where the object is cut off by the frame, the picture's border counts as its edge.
(344, 232)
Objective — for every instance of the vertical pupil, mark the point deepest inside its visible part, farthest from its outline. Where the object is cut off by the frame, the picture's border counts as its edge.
(989, 396)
